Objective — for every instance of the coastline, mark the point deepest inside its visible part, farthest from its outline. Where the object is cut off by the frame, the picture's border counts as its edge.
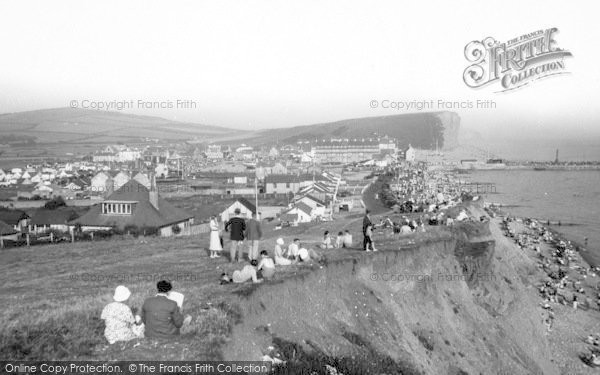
(586, 255)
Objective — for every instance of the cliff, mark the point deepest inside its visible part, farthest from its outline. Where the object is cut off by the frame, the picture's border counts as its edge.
(421, 130)
(458, 304)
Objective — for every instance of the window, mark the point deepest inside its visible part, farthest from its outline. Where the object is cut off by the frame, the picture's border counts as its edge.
(116, 208)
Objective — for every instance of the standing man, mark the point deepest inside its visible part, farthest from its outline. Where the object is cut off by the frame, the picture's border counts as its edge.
(238, 227)
(253, 234)
(365, 226)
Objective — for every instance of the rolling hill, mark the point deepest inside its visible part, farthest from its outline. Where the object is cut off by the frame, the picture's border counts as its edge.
(67, 125)
(85, 127)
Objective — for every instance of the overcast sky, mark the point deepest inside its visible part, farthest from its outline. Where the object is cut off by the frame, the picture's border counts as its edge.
(277, 63)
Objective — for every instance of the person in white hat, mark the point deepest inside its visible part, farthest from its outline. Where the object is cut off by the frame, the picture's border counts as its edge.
(280, 259)
(120, 322)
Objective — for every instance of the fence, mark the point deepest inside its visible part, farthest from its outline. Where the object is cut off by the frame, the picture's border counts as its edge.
(194, 230)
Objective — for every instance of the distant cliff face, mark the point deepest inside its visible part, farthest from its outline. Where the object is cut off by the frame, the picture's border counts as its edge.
(421, 130)
(451, 124)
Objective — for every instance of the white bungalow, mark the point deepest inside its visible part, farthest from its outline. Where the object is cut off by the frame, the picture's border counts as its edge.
(246, 209)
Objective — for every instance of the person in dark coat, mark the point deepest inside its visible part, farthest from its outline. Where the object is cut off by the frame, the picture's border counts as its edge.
(253, 234)
(366, 224)
(161, 316)
(236, 226)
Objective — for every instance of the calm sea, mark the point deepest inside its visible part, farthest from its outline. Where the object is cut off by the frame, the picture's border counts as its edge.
(573, 197)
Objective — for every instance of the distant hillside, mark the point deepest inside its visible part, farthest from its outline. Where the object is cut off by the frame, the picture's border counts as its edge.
(89, 126)
(80, 127)
(419, 129)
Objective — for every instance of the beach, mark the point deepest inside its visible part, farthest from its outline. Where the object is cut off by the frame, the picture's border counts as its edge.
(569, 197)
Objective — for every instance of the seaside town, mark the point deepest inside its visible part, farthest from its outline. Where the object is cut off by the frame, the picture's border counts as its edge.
(226, 197)
(126, 190)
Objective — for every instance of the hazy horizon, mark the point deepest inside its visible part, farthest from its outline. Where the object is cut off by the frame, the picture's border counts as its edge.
(268, 64)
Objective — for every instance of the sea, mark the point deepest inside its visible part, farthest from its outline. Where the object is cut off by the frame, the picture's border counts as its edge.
(569, 196)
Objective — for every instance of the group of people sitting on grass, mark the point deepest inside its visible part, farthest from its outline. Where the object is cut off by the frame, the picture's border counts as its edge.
(161, 316)
(264, 269)
(343, 240)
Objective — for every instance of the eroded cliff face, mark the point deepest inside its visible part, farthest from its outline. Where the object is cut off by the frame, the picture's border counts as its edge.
(458, 305)
(451, 123)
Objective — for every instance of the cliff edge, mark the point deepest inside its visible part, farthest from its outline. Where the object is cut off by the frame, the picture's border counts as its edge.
(458, 304)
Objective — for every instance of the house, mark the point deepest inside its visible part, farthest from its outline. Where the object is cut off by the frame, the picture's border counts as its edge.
(134, 205)
(273, 152)
(245, 206)
(17, 219)
(282, 184)
(279, 168)
(317, 205)
(7, 232)
(142, 179)
(161, 170)
(213, 152)
(101, 183)
(44, 220)
(120, 179)
(302, 211)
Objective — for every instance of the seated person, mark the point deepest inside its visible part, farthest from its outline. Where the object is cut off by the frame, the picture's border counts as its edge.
(405, 229)
(280, 258)
(305, 255)
(292, 251)
(339, 241)
(326, 244)
(266, 265)
(119, 320)
(347, 239)
(161, 315)
(247, 273)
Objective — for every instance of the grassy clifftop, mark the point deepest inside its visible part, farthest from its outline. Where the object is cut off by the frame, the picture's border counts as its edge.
(452, 300)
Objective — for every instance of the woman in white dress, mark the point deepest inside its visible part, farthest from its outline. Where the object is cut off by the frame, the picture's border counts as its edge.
(215, 238)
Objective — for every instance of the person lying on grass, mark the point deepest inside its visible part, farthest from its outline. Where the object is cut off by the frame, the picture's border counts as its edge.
(118, 317)
(247, 273)
(161, 315)
(266, 266)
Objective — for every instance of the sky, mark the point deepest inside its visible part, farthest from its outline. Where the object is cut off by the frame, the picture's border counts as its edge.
(266, 64)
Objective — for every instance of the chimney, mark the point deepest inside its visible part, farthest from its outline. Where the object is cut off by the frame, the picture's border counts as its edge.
(153, 194)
